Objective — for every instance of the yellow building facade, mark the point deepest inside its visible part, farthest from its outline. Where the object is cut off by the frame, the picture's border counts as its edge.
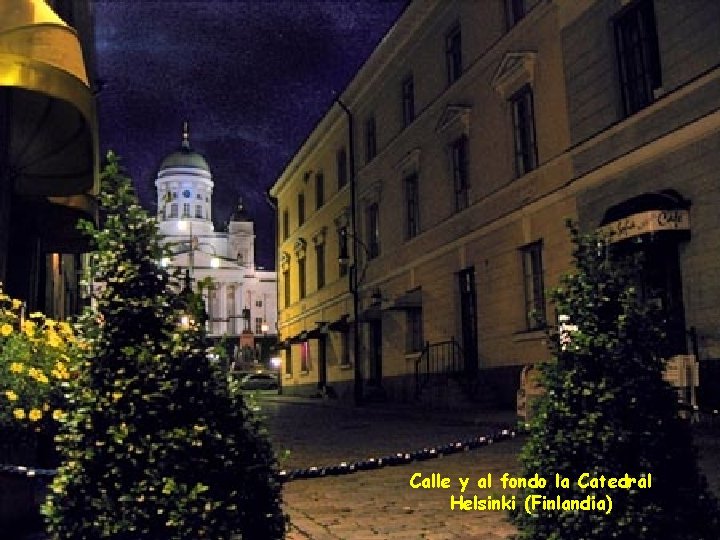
(475, 130)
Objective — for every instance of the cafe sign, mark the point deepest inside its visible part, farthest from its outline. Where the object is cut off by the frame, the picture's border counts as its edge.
(651, 221)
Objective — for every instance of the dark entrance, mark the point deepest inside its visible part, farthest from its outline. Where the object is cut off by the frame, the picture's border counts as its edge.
(322, 362)
(375, 342)
(653, 225)
(468, 318)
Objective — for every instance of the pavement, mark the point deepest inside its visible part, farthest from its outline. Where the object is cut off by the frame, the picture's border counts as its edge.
(380, 503)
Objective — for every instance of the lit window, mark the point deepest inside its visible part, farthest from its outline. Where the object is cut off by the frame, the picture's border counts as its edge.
(304, 354)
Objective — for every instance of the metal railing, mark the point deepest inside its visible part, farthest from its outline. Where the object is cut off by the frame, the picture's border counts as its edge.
(438, 361)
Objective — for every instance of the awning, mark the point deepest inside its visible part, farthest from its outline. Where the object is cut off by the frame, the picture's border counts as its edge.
(370, 314)
(650, 213)
(59, 220)
(341, 325)
(412, 299)
(52, 131)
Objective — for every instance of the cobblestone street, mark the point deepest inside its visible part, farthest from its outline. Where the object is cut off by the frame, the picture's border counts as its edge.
(380, 503)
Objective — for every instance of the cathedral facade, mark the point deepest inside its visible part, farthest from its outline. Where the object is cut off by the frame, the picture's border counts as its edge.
(240, 299)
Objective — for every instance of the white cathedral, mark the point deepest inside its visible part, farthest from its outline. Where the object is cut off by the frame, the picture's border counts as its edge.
(240, 299)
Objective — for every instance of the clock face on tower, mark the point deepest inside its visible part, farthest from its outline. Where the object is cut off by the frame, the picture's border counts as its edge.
(186, 193)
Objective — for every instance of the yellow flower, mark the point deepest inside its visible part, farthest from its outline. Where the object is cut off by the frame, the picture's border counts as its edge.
(65, 328)
(16, 304)
(29, 328)
(36, 315)
(38, 375)
(19, 414)
(5, 329)
(57, 415)
(53, 339)
(35, 415)
(16, 367)
(12, 396)
(116, 395)
(46, 407)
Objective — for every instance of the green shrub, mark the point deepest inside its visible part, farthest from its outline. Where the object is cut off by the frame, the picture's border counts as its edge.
(155, 447)
(607, 411)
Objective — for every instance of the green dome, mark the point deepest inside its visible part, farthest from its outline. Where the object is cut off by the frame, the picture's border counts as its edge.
(185, 157)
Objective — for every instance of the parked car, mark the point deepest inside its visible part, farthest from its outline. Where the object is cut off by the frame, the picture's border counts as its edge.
(259, 381)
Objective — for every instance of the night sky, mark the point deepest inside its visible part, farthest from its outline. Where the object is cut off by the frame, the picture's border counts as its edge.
(251, 77)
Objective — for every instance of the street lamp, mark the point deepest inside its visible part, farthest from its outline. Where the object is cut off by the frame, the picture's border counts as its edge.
(354, 281)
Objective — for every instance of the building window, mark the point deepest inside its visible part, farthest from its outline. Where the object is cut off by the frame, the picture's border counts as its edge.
(414, 330)
(408, 101)
(304, 353)
(258, 325)
(286, 224)
(342, 248)
(319, 190)
(373, 230)
(453, 54)
(258, 303)
(186, 210)
(301, 278)
(460, 172)
(286, 287)
(638, 56)
(524, 130)
(412, 207)
(173, 210)
(198, 211)
(370, 139)
(320, 262)
(514, 11)
(342, 168)
(301, 209)
(534, 288)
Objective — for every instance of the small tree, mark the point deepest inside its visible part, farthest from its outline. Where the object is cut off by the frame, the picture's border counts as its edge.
(155, 446)
(608, 411)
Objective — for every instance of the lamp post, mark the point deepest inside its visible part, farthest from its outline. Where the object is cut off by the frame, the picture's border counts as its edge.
(358, 381)
(355, 278)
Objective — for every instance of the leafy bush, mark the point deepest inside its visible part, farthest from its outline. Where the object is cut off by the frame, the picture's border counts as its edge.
(155, 446)
(607, 411)
(36, 362)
